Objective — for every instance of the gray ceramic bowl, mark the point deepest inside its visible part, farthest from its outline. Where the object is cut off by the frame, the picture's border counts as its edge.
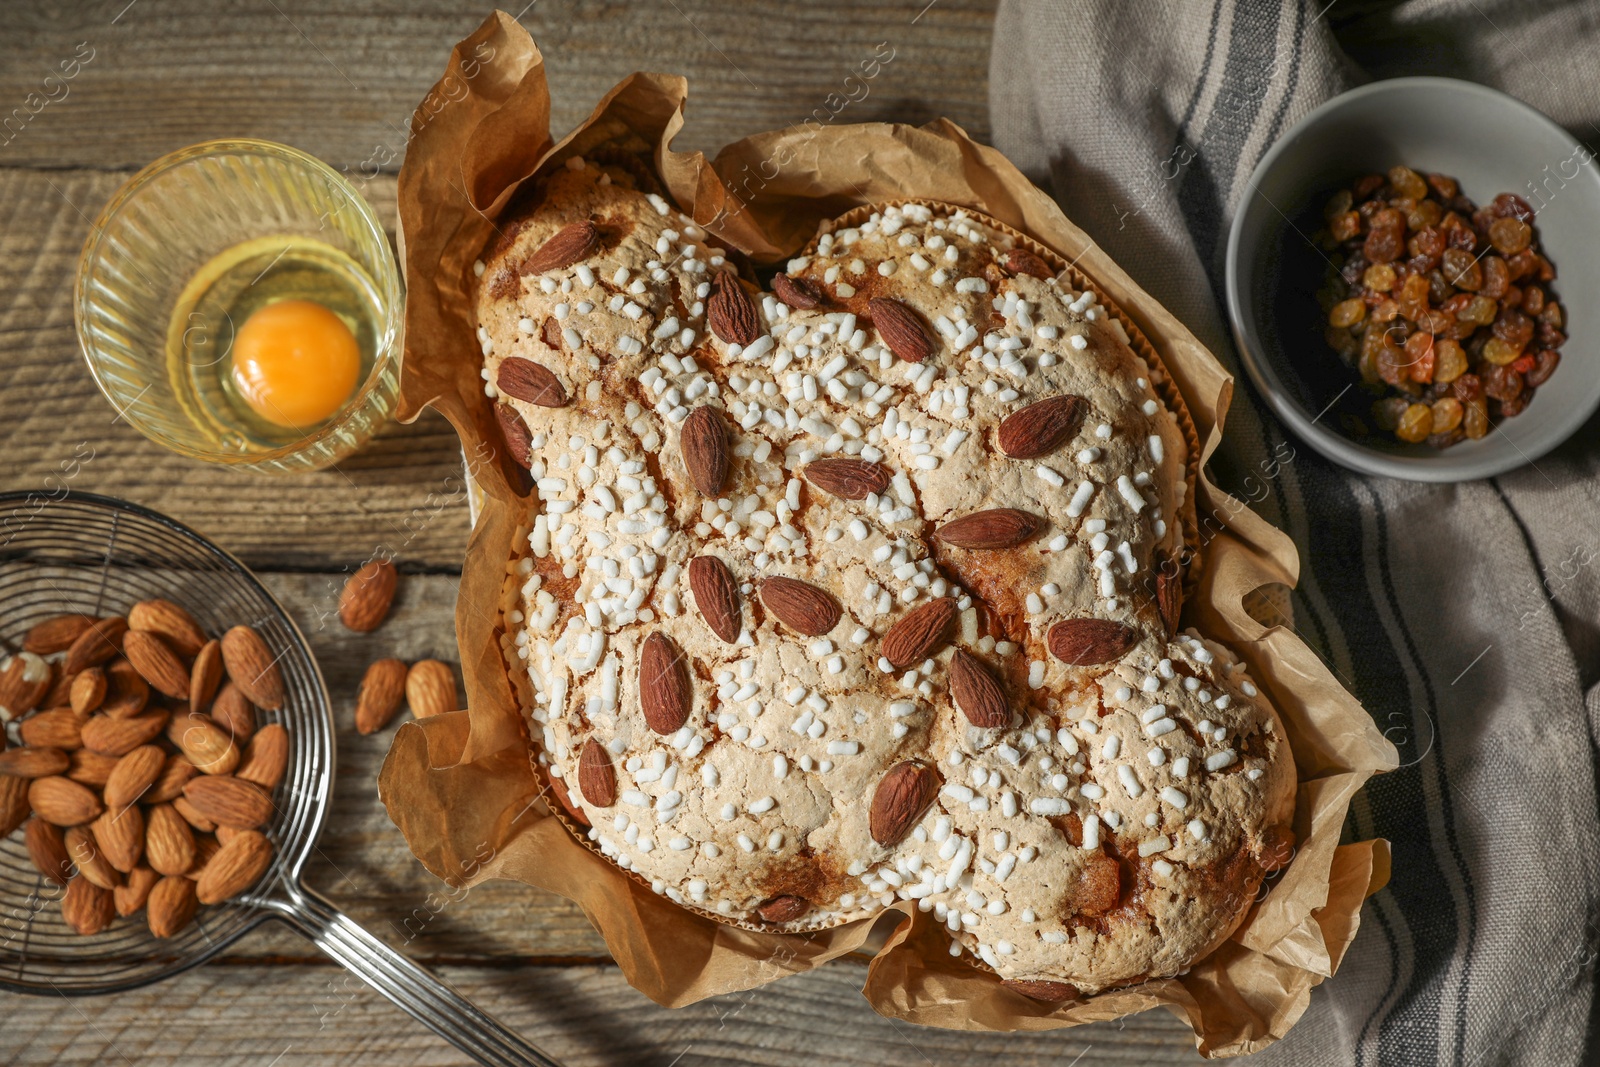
(1491, 143)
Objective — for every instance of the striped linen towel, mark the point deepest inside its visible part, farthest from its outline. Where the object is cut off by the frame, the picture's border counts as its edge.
(1465, 617)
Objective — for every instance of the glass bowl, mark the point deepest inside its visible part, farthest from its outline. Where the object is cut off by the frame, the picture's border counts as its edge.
(158, 243)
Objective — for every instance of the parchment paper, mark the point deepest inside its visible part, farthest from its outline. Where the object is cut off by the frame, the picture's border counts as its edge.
(462, 787)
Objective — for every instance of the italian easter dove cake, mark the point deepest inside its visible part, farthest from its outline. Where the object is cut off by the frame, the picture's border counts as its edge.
(861, 590)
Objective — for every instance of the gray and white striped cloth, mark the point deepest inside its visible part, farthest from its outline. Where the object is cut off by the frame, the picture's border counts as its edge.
(1466, 618)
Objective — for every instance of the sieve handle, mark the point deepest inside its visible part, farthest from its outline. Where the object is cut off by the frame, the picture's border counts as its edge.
(430, 1001)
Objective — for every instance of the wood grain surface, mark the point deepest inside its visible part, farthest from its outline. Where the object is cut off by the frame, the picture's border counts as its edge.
(340, 81)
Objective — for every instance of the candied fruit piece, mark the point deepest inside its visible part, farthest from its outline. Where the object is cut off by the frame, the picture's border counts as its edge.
(1347, 313)
(1407, 182)
(1386, 412)
(1447, 413)
(1379, 277)
(1416, 424)
(1475, 417)
(1420, 357)
(1502, 383)
(1500, 352)
(1461, 269)
(1544, 365)
(1496, 277)
(1449, 360)
(1510, 235)
(1345, 226)
(1510, 205)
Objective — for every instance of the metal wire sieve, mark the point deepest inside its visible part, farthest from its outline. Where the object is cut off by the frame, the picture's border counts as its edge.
(77, 552)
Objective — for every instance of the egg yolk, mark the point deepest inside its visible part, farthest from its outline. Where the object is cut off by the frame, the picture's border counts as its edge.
(295, 363)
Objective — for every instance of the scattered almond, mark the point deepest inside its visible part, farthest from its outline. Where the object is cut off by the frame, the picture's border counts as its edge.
(175, 626)
(157, 663)
(168, 840)
(131, 895)
(55, 634)
(88, 690)
(1041, 989)
(205, 676)
(86, 907)
(266, 757)
(24, 680)
(430, 688)
(252, 667)
(515, 432)
(1022, 261)
(120, 835)
(208, 746)
(135, 773)
(58, 728)
(383, 688)
(47, 847)
(98, 643)
(235, 867)
(1169, 594)
(63, 801)
(171, 906)
(229, 801)
(175, 774)
(368, 593)
(117, 737)
(87, 856)
(234, 713)
(33, 762)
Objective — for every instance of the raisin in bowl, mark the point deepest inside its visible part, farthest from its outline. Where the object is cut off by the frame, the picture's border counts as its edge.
(1358, 394)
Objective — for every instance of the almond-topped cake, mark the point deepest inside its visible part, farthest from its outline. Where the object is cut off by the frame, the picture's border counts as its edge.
(862, 590)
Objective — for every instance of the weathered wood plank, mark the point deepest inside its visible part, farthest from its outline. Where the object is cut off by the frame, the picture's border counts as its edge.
(342, 83)
(403, 491)
(236, 1013)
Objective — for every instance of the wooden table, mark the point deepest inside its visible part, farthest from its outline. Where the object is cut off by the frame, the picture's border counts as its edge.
(340, 84)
